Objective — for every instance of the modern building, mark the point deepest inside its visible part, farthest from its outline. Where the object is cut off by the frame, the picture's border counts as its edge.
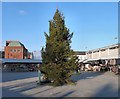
(30, 55)
(81, 55)
(108, 52)
(15, 50)
(37, 55)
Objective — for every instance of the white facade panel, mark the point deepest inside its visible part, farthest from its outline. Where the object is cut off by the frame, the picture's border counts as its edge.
(108, 52)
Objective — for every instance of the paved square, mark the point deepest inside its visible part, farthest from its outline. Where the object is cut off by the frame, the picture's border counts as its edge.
(88, 84)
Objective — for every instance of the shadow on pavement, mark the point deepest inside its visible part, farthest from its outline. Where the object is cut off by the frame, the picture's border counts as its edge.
(106, 91)
(67, 94)
(86, 75)
(11, 76)
(8, 93)
(42, 91)
(17, 90)
(19, 85)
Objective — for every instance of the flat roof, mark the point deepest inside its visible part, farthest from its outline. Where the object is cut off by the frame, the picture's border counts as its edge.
(35, 61)
(80, 52)
(109, 46)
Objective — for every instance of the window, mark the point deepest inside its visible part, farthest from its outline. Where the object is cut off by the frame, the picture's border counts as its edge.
(19, 50)
(102, 49)
(14, 50)
(113, 48)
(11, 50)
(90, 52)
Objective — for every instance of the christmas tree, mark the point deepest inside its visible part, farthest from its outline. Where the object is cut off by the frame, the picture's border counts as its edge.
(58, 60)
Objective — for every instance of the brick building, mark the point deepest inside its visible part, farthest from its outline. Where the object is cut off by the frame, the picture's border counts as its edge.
(15, 50)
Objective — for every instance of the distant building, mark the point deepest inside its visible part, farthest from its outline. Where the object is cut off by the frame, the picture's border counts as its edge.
(15, 50)
(30, 55)
(2, 54)
(37, 55)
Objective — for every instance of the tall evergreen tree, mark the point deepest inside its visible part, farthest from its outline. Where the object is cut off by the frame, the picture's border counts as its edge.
(58, 59)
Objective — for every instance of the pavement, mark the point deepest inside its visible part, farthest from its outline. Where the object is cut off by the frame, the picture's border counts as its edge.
(88, 84)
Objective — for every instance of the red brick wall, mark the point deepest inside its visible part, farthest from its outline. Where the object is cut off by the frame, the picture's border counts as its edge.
(14, 52)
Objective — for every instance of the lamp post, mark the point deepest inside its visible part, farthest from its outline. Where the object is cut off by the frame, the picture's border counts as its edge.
(39, 74)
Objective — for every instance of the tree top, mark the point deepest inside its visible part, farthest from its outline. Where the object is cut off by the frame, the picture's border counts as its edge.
(57, 14)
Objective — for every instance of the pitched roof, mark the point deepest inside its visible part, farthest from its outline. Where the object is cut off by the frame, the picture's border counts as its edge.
(15, 43)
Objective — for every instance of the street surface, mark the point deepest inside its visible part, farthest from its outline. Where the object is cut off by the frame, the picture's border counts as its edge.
(88, 84)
